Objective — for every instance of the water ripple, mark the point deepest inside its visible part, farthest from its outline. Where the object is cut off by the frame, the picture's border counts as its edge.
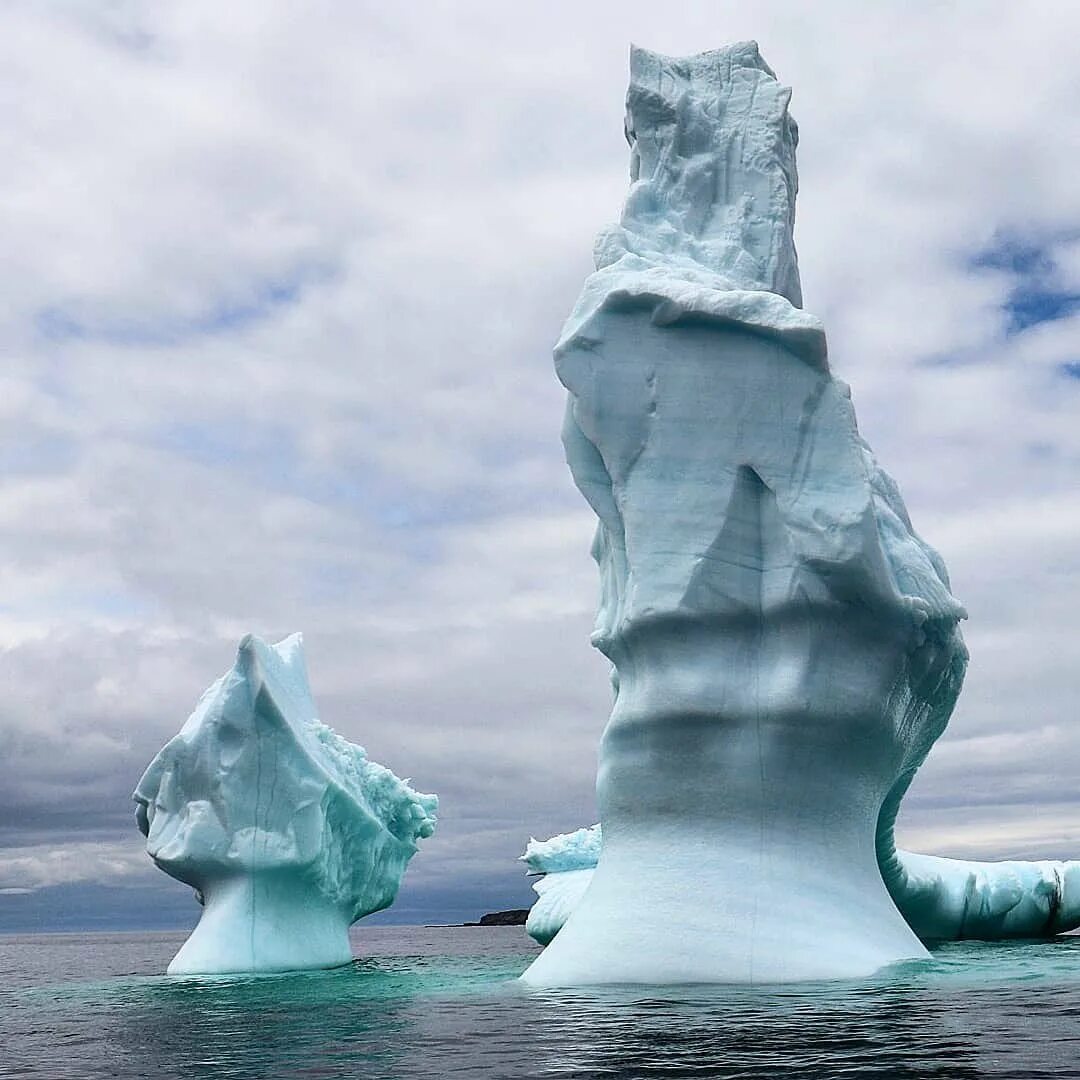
(446, 1003)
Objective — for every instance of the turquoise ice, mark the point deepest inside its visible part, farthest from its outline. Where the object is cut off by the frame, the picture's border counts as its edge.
(785, 647)
(564, 865)
(287, 832)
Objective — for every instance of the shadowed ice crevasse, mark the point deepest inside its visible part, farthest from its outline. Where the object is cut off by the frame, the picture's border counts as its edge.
(785, 648)
(287, 832)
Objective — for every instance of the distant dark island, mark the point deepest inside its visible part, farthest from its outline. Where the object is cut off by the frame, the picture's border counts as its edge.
(514, 917)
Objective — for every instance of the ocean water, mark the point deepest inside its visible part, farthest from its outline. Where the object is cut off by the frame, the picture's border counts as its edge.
(443, 1002)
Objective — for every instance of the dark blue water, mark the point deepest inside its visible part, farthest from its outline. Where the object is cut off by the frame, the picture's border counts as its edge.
(442, 1002)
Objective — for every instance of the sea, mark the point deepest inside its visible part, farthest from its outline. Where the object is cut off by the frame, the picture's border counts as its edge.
(445, 1002)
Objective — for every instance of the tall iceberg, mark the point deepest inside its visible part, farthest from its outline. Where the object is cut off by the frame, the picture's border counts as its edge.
(785, 648)
(287, 832)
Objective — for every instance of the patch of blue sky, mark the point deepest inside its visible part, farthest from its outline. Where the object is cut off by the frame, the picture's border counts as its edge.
(1037, 294)
(1030, 306)
(62, 323)
(1041, 449)
(501, 452)
(266, 452)
(328, 581)
(112, 602)
(1024, 258)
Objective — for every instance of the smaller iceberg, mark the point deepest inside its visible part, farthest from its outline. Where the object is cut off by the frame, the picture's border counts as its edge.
(953, 899)
(566, 863)
(287, 832)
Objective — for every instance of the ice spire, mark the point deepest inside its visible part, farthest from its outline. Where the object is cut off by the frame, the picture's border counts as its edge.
(785, 646)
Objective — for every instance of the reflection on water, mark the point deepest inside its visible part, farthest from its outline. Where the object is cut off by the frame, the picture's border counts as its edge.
(444, 1003)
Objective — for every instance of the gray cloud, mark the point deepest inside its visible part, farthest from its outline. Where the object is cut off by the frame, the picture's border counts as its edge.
(276, 357)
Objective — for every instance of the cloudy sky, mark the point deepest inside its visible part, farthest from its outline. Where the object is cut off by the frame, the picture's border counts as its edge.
(279, 287)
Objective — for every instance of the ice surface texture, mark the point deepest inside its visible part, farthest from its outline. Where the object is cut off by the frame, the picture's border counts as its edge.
(558, 894)
(941, 899)
(579, 850)
(708, 222)
(287, 832)
(785, 647)
(945, 899)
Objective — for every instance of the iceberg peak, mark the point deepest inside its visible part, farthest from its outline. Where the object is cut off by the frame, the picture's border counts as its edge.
(712, 170)
(707, 230)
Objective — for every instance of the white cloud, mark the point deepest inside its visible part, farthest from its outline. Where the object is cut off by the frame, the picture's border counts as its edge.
(27, 869)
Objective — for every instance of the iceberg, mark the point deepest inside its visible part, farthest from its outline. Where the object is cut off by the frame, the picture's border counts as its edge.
(785, 647)
(287, 832)
(579, 850)
(565, 864)
(953, 899)
(941, 899)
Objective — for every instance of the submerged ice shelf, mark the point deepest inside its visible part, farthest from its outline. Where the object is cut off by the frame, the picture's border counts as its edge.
(785, 647)
(287, 832)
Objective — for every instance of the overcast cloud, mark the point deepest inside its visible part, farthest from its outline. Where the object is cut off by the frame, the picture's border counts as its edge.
(280, 287)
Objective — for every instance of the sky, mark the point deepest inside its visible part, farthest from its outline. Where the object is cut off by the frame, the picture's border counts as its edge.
(279, 289)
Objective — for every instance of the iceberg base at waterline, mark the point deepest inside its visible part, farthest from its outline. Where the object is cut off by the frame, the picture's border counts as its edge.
(287, 832)
(254, 923)
(940, 899)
